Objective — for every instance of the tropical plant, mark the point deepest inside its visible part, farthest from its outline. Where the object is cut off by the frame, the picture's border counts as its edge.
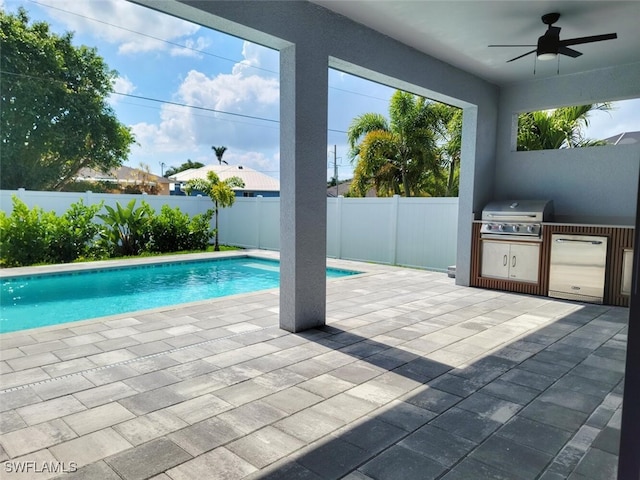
(174, 231)
(404, 155)
(219, 151)
(220, 192)
(559, 128)
(188, 165)
(127, 228)
(54, 114)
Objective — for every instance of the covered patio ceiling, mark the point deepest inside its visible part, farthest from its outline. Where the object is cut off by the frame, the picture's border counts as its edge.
(459, 32)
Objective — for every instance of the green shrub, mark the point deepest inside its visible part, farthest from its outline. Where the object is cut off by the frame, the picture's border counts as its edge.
(23, 235)
(173, 231)
(73, 236)
(127, 228)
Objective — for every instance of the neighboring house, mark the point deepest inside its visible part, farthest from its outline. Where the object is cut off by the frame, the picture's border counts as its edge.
(129, 180)
(343, 189)
(255, 183)
(624, 138)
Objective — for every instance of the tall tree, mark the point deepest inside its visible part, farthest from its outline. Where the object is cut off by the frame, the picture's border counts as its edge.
(219, 151)
(220, 192)
(403, 155)
(54, 114)
(559, 128)
(188, 165)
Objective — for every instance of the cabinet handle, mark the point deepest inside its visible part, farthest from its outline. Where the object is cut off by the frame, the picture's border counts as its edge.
(513, 261)
(504, 261)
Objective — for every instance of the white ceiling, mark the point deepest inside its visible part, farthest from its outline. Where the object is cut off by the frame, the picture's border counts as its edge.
(459, 32)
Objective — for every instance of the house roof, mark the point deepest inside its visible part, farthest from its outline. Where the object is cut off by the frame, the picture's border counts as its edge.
(121, 174)
(253, 180)
(624, 138)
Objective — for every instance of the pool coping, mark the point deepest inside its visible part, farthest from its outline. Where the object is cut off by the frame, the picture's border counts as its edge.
(18, 272)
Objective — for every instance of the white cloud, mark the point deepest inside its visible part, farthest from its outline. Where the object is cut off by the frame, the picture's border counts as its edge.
(119, 21)
(121, 85)
(191, 48)
(241, 92)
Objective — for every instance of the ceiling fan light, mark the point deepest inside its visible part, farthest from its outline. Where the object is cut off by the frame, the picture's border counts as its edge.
(547, 56)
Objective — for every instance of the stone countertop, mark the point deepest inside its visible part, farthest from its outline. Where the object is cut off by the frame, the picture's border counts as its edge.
(593, 221)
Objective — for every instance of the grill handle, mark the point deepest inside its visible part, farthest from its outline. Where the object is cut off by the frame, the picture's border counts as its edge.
(566, 240)
(507, 215)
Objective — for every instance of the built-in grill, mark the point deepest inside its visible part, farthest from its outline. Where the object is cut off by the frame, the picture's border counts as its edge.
(516, 219)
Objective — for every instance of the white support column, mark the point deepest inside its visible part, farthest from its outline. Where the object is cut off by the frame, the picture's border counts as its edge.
(303, 203)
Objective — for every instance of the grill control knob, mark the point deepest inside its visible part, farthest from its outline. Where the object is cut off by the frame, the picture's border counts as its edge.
(501, 227)
(515, 228)
(530, 228)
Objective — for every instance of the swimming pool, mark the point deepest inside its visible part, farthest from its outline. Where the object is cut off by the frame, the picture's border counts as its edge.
(51, 299)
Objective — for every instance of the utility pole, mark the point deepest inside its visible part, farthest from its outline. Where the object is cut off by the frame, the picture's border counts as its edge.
(335, 168)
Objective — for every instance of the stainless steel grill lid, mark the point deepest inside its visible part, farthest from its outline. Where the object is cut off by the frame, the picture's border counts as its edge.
(526, 211)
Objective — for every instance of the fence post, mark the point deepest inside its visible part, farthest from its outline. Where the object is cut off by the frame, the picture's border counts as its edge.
(393, 241)
(258, 217)
(21, 193)
(339, 199)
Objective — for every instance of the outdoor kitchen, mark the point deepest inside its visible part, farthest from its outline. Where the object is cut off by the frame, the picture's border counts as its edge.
(523, 246)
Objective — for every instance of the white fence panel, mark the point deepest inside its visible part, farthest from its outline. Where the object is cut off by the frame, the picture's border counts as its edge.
(417, 232)
(252, 222)
(366, 229)
(59, 202)
(427, 232)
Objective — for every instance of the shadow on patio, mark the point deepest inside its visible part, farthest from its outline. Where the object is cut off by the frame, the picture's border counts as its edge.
(413, 377)
(539, 405)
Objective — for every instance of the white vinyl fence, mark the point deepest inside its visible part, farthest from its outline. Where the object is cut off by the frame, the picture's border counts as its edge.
(415, 232)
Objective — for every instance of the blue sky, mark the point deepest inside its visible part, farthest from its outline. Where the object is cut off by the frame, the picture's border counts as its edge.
(162, 58)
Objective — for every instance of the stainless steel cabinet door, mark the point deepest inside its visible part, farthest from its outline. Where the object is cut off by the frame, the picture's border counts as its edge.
(523, 262)
(495, 259)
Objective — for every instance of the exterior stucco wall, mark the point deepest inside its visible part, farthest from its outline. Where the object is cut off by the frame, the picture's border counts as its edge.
(600, 181)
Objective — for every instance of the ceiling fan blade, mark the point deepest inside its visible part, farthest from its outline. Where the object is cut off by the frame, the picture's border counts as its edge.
(569, 52)
(511, 45)
(523, 55)
(594, 38)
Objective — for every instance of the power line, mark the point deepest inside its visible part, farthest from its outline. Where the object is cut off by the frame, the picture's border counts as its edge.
(169, 42)
(207, 109)
(186, 47)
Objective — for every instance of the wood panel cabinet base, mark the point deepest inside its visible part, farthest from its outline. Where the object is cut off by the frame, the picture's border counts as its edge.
(619, 240)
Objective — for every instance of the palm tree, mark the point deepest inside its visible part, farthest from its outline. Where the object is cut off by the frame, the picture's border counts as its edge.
(400, 156)
(559, 128)
(220, 192)
(219, 151)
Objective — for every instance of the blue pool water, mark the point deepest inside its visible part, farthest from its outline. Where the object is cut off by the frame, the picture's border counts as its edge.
(29, 302)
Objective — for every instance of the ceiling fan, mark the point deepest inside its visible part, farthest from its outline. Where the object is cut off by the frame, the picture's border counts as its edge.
(550, 46)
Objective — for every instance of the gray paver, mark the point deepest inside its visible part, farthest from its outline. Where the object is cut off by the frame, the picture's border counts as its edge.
(466, 424)
(216, 465)
(149, 459)
(536, 435)
(285, 403)
(206, 435)
(31, 439)
(91, 472)
(344, 458)
(438, 445)
(520, 461)
(265, 446)
(90, 448)
(399, 463)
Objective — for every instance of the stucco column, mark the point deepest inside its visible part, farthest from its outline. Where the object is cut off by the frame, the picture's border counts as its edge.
(303, 197)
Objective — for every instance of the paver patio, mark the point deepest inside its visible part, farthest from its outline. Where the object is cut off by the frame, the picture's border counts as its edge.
(412, 378)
